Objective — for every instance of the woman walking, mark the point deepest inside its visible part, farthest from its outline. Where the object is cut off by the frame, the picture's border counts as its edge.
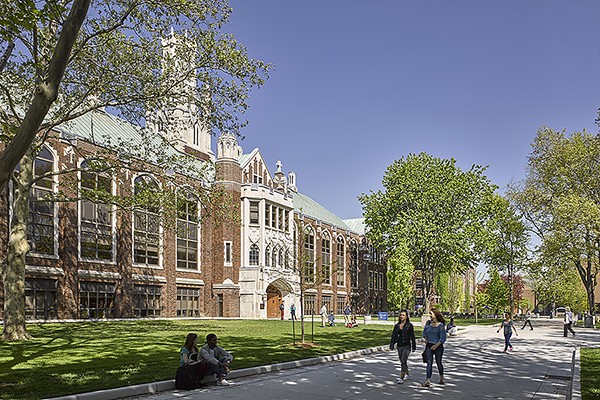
(435, 336)
(403, 336)
(508, 326)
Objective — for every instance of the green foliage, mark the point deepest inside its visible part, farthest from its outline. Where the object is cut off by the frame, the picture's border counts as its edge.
(434, 207)
(560, 201)
(69, 358)
(400, 279)
(497, 292)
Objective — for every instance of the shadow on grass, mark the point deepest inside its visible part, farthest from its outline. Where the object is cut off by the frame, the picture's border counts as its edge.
(70, 358)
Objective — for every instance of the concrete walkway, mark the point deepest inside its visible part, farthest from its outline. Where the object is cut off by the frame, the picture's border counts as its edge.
(540, 367)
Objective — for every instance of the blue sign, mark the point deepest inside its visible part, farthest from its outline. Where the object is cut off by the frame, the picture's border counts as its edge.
(383, 316)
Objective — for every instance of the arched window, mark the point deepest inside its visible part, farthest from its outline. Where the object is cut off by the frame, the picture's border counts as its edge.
(274, 258)
(340, 262)
(268, 256)
(353, 264)
(254, 254)
(187, 231)
(41, 228)
(146, 224)
(308, 255)
(96, 235)
(326, 258)
(281, 257)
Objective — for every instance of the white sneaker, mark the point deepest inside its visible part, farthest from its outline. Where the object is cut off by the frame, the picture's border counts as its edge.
(223, 382)
(399, 381)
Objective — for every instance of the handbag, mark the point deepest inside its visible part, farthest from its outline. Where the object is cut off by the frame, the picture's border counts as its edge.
(424, 356)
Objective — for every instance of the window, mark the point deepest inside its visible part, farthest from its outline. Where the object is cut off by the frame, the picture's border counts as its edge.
(254, 212)
(97, 300)
(40, 299)
(353, 264)
(188, 302)
(196, 134)
(340, 262)
(309, 304)
(327, 303)
(281, 224)
(268, 256)
(286, 221)
(380, 287)
(326, 259)
(274, 258)
(254, 254)
(147, 301)
(309, 255)
(187, 232)
(40, 230)
(273, 216)
(267, 214)
(96, 236)
(340, 304)
(227, 255)
(257, 179)
(146, 224)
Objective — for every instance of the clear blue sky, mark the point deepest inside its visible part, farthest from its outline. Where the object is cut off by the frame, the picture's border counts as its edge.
(359, 84)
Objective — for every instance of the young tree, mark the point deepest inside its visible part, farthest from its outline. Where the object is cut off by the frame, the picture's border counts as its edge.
(136, 57)
(496, 292)
(435, 208)
(505, 244)
(559, 199)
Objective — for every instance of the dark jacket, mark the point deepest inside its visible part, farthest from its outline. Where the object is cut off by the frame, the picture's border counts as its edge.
(403, 337)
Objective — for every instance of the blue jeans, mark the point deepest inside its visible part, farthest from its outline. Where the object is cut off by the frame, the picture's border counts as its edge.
(507, 337)
(218, 370)
(429, 353)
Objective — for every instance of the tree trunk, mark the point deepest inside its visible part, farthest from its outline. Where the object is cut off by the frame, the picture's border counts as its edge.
(13, 273)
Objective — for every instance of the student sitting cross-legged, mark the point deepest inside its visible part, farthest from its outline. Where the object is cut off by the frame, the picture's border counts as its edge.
(217, 358)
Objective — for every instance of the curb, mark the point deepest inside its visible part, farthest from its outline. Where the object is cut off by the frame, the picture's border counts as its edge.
(575, 392)
(155, 387)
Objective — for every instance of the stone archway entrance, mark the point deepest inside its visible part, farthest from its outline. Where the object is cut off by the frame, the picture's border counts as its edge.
(276, 291)
(274, 299)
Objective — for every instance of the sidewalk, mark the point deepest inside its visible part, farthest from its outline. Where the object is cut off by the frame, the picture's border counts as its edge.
(475, 368)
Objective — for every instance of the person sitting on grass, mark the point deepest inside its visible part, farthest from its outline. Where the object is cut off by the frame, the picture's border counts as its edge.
(217, 358)
(331, 319)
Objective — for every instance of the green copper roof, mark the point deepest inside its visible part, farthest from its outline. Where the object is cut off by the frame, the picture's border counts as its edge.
(356, 224)
(307, 206)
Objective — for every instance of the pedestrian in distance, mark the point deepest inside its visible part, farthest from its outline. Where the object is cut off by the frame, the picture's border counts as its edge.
(434, 334)
(281, 309)
(527, 320)
(403, 337)
(293, 312)
(568, 321)
(347, 313)
(508, 325)
(324, 314)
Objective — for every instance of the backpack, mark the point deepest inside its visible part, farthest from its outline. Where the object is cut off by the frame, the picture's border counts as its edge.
(186, 378)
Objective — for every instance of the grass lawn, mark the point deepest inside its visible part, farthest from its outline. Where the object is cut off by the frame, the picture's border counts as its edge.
(590, 374)
(69, 358)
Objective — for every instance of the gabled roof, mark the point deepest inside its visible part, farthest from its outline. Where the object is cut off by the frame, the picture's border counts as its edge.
(106, 130)
(356, 225)
(244, 159)
(307, 206)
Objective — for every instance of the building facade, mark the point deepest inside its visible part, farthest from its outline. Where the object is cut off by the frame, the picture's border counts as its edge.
(94, 260)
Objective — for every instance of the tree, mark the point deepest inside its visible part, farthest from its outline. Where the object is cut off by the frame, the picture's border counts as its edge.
(434, 207)
(559, 199)
(505, 247)
(496, 292)
(400, 279)
(144, 60)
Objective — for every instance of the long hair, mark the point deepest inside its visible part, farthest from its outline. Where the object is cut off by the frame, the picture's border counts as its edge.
(407, 316)
(438, 315)
(189, 341)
